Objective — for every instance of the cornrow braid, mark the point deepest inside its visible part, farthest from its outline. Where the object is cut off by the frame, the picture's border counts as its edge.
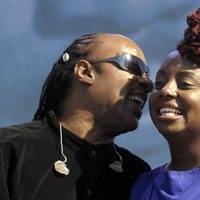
(190, 45)
(58, 83)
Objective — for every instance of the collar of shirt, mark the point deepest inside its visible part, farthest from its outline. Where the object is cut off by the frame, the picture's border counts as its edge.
(97, 153)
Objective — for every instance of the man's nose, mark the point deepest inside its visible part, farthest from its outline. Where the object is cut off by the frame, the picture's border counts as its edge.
(146, 83)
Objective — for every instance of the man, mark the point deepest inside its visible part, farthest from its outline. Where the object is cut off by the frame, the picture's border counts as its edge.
(95, 91)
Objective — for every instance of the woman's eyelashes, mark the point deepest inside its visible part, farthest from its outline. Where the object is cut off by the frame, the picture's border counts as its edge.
(159, 84)
(184, 85)
(181, 84)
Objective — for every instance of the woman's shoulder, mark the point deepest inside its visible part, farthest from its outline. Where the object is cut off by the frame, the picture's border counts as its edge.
(144, 183)
(152, 173)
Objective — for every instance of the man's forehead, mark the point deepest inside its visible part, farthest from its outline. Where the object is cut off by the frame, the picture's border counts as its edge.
(115, 48)
(129, 50)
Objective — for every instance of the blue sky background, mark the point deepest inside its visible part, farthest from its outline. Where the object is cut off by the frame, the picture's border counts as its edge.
(33, 34)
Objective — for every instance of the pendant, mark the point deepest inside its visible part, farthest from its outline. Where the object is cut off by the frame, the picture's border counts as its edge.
(61, 167)
(116, 166)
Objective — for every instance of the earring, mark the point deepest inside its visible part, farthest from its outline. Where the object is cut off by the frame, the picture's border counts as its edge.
(65, 57)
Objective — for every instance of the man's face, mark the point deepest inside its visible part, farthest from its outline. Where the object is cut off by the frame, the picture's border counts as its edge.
(119, 95)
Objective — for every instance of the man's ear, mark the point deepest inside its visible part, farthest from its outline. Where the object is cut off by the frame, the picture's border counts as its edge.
(84, 72)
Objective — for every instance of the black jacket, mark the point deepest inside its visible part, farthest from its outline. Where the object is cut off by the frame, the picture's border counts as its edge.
(27, 155)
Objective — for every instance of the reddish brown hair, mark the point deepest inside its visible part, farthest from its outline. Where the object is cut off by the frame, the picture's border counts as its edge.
(190, 45)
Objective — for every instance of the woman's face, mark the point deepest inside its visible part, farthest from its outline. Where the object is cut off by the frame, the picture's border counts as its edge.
(175, 100)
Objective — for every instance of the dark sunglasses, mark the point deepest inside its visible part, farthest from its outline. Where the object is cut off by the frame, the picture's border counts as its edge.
(128, 62)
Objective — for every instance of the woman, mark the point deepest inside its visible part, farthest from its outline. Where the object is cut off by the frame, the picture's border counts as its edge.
(175, 111)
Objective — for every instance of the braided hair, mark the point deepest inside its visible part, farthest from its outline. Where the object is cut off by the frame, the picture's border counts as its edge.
(58, 83)
(190, 45)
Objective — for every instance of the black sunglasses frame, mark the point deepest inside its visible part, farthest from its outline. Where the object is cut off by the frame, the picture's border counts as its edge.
(121, 62)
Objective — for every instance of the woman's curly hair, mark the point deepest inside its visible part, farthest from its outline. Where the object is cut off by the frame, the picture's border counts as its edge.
(190, 45)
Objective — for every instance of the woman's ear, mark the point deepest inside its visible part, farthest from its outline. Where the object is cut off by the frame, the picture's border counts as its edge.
(84, 72)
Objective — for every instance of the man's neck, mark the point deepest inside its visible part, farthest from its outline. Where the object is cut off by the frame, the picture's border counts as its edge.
(82, 124)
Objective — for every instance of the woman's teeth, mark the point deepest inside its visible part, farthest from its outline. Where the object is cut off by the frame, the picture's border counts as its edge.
(167, 111)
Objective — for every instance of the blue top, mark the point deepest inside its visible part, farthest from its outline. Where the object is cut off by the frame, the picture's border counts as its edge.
(160, 184)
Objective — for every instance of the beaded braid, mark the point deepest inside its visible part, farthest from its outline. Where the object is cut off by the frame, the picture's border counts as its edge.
(190, 45)
(58, 83)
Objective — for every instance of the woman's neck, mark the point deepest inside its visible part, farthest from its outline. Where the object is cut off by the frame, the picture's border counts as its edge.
(185, 155)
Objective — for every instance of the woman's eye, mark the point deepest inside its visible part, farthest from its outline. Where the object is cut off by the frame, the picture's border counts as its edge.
(184, 85)
(159, 84)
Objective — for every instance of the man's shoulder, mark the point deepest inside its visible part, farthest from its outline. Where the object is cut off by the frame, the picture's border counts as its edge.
(133, 160)
(21, 131)
(129, 155)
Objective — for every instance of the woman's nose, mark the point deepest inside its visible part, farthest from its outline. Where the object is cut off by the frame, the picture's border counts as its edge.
(169, 90)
